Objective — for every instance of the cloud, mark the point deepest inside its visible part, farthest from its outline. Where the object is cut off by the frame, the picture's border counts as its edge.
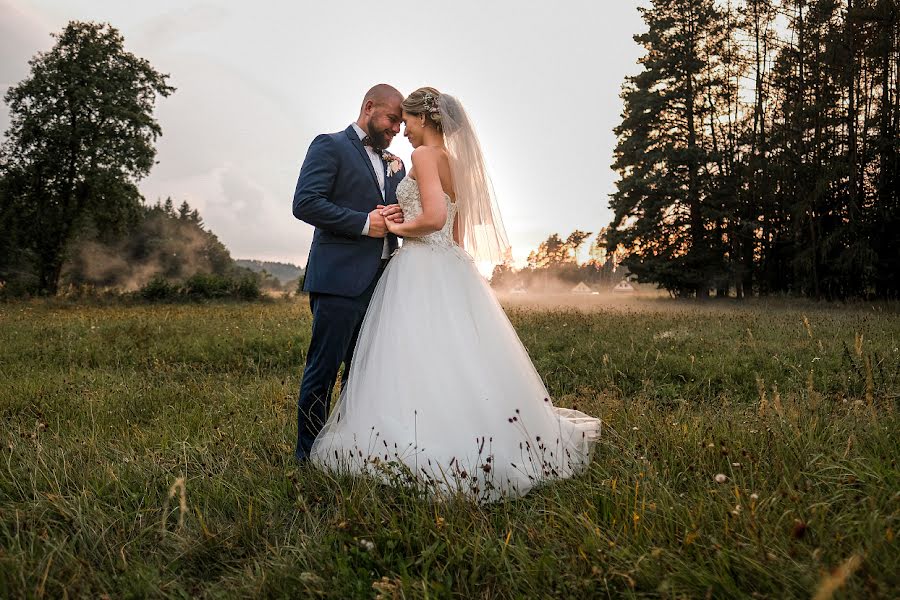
(22, 34)
(184, 22)
(257, 221)
(232, 149)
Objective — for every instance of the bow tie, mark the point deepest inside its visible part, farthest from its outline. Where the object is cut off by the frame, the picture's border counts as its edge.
(367, 141)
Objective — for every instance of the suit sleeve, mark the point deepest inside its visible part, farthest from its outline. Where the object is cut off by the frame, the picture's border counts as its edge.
(311, 201)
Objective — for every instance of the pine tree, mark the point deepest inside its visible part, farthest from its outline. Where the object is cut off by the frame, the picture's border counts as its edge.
(664, 215)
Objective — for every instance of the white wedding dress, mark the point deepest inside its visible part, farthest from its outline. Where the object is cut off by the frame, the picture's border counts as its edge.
(441, 393)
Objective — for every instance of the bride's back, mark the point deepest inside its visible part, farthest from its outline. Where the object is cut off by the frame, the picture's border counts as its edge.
(446, 175)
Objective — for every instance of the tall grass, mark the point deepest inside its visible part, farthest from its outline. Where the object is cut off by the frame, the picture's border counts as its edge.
(147, 452)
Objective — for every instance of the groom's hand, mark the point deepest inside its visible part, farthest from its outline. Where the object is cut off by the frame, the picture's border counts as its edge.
(377, 226)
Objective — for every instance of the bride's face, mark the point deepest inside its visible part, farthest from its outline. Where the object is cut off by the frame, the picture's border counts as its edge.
(413, 129)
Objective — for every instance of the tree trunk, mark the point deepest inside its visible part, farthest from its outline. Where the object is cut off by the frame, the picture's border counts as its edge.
(852, 150)
(697, 233)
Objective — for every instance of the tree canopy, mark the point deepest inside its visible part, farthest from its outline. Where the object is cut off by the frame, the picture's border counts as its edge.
(758, 149)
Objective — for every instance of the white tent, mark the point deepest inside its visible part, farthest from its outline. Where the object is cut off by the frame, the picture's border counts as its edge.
(581, 288)
(624, 287)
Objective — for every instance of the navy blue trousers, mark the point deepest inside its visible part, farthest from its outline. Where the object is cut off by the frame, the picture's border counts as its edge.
(336, 324)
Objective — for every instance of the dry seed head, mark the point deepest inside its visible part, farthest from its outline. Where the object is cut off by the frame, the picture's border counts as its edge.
(870, 384)
(811, 392)
(763, 400)
(776, 400)
(177, 487)
(837, 578)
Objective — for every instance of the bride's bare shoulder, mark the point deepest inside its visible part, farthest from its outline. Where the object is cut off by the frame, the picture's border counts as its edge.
(433, 154)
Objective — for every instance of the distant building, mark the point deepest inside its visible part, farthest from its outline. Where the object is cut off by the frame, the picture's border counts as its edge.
(582, 288)
(623, 287)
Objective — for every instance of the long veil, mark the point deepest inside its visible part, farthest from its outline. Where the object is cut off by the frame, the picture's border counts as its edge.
(480, 225)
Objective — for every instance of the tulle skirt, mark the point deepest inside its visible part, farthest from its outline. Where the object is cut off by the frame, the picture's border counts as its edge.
(442, 394)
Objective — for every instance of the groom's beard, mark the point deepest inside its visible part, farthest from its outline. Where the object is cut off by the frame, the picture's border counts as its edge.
(380, 139)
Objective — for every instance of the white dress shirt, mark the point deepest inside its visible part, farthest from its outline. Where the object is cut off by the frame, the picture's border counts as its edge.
(378, 166)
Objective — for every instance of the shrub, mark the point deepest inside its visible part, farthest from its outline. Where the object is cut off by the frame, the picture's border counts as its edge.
(204, 286)
(201, 286)
(158, 288)
(247, 288)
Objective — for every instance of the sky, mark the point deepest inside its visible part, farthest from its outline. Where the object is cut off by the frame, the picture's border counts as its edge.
(257, 81)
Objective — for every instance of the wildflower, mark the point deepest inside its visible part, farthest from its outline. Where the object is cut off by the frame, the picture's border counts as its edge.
(311, 578)
(386, 588)
(736, 464)
(367, 545)
(798, 531)
(721, 478)
(634, 428)
(754, 496)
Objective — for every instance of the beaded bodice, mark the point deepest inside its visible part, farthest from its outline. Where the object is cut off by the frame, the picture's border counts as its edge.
(411, 202)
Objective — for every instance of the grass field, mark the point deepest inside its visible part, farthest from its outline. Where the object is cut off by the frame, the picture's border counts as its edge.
(147, 452)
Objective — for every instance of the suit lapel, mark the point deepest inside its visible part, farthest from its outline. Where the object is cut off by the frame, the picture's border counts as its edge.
(357, 143)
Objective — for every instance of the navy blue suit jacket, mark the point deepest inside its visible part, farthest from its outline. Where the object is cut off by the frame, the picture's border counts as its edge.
(336, 190)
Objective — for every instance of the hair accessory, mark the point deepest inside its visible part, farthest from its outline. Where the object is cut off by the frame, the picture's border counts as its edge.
(431, 107)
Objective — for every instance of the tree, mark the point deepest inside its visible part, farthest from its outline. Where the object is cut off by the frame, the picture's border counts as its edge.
(161, 245)
(81, 136)
(555, 251)
(664, 215)
(758, 150)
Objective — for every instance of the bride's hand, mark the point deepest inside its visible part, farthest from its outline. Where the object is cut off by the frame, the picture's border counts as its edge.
(392, 212)
(393, 226)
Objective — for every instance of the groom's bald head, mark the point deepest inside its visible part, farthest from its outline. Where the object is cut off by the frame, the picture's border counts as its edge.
(381, 94)
(381, 114)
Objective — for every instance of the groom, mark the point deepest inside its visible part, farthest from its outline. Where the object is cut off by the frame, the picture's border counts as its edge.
(346, 189)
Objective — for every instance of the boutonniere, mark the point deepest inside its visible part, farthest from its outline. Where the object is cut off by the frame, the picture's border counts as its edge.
(394, 164)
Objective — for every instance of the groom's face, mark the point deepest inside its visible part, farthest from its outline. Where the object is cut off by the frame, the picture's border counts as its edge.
(384, 122)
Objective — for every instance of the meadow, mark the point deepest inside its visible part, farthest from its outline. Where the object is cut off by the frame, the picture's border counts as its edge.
(749, 451)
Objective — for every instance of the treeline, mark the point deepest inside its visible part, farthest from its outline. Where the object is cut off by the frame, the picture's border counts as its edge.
(555, 266)
(164, 242)
(81, 136)
(164, 254)
(274, 275)
(758, 150)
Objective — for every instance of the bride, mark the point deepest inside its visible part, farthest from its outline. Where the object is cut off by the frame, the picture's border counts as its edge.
(441, 393)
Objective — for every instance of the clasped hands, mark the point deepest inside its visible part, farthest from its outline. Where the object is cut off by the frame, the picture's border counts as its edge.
(384, 219)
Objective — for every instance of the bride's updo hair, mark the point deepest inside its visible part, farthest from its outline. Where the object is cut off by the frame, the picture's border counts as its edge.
(424, 101)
